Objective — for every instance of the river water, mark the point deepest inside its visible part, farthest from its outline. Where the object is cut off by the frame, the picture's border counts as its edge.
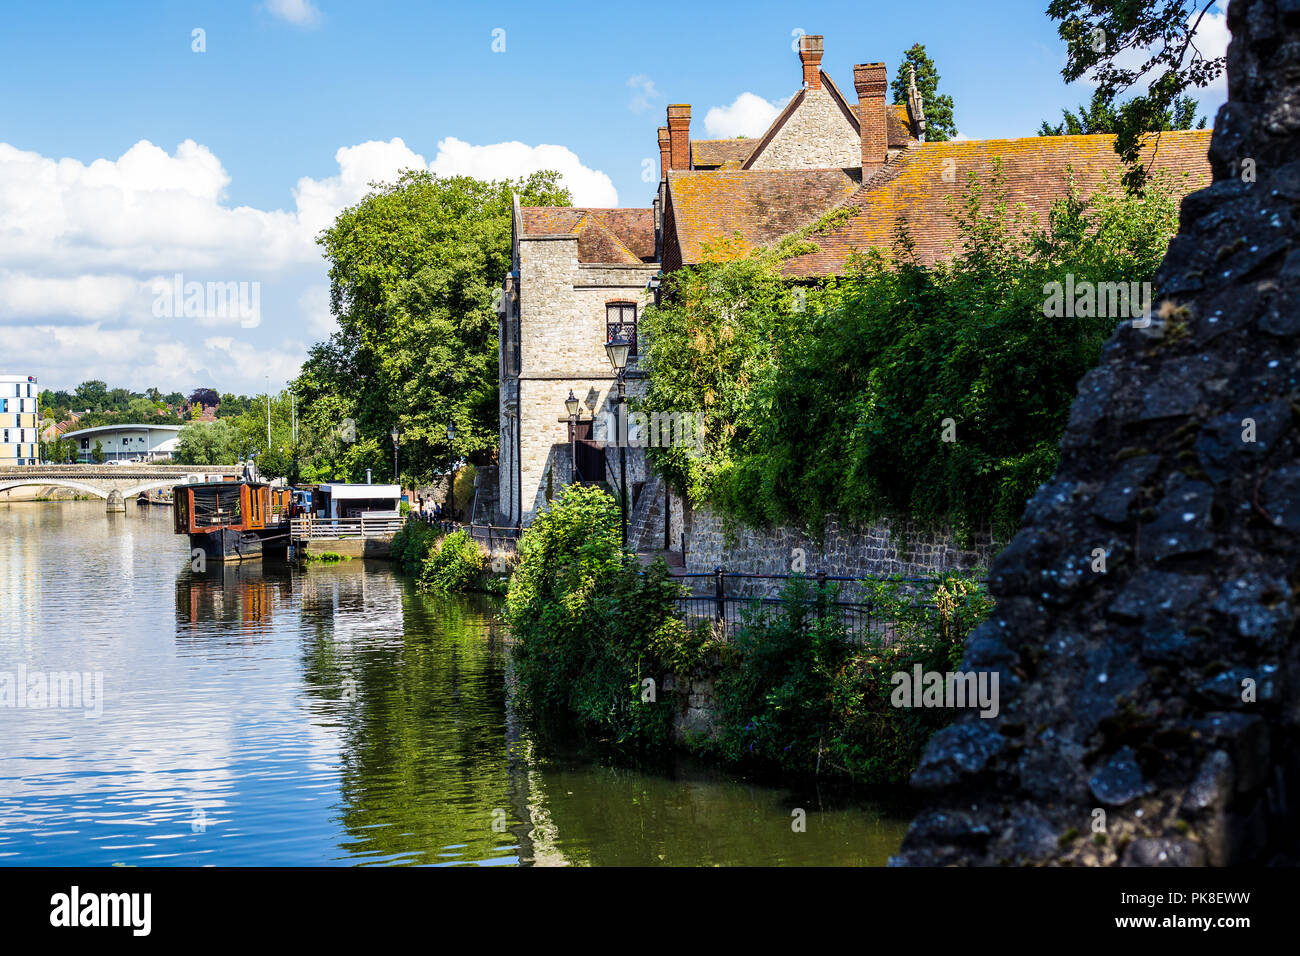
(270, 716)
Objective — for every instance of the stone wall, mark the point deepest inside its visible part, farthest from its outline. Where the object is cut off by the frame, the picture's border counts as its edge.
(816, 136)
(845, 550)
(1150, 702)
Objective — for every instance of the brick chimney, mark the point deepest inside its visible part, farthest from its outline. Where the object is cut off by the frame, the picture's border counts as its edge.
(679, 136)
(810, 55)
(872, 82)
(665, 148)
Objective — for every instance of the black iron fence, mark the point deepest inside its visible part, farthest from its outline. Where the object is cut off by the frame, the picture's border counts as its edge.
(492, 537)
(728, 598)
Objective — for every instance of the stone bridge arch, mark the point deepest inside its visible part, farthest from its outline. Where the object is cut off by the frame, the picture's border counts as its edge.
(82, 486)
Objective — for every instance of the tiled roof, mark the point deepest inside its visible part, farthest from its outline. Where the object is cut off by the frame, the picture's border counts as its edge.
(919, 184)
(727, 153)
(604, 235)
(760, 205)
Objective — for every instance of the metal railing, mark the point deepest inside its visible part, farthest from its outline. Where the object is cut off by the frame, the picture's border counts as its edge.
(494, 538)
(309, 528)
(729, 598)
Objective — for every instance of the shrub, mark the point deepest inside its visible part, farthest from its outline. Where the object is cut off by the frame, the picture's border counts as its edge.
(458, 563)
(592, 625)
(796, 694)
(412, 544)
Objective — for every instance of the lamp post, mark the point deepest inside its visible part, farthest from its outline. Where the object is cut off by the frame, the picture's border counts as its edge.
(571, 406)
(393, 433)
(451, 475)
(617, 349)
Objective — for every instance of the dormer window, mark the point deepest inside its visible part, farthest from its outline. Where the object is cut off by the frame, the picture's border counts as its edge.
(620, 319)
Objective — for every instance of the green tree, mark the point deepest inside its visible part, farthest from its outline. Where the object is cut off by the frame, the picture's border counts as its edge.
(210, 443)
(938, 107)
(414, 268)
(1102, 116)
(1102, 37)
(91, 395)
(97, 453)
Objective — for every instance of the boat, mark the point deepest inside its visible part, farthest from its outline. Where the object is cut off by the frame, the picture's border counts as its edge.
(163, 497)
(233, 520)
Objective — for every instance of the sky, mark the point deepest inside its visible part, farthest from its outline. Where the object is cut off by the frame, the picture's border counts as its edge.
(152, 150)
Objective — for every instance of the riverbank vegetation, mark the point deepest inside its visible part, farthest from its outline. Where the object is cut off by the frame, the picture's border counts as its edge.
(839, 398)
(592, 628)
(601, 644)
(442, 562)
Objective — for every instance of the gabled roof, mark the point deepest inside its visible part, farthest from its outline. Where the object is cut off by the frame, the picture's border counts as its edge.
(759, 205)
(922, 183)
(610, 236)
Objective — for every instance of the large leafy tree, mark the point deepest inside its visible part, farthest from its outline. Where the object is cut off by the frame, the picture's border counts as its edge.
(939, 122)
(414, 268)
(1102, 116)
(1123, 43)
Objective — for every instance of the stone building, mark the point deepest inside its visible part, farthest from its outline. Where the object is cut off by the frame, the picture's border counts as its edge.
(578, 277)
(842, 175)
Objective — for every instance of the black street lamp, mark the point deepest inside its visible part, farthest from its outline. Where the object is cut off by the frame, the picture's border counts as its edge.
(451, 475)
(617, 349)
(571, 406)
(393, 433)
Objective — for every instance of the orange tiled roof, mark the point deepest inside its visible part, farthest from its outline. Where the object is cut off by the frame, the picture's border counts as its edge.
(918, 184)
(760, 205)
(624, 236)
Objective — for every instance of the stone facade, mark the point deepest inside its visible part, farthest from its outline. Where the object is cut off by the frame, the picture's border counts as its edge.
(553, 334)
(816, 136)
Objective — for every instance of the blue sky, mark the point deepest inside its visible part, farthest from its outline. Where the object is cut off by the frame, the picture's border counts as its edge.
(127, 158)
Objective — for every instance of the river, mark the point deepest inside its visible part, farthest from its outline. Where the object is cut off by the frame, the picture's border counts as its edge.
(335, 716)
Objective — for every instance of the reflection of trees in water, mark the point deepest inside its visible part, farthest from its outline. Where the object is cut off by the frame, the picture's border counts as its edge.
(230, 599)
(614, 816)
(416, 684)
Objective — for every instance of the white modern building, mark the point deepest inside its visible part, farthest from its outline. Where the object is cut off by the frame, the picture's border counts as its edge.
(353, 501)
(19, 440)
(126, 442)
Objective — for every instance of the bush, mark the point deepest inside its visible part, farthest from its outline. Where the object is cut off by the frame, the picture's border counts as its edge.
(797, 695)
(592, 626)
(412, 544)
(458, 563)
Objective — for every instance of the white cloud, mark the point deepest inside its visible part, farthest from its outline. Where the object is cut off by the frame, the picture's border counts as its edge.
(749, 115)
(82, 246)
(314, 306)
(645, 92)
(320, 200)
(590, 187)
(86, 297)
(301, 13)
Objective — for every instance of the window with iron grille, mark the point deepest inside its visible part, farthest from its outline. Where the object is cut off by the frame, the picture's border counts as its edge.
(620, 319)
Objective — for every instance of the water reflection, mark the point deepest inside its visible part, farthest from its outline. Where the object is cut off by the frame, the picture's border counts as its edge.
(267, 715)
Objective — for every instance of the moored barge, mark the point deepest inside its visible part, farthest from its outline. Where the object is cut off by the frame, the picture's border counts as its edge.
(233, 520)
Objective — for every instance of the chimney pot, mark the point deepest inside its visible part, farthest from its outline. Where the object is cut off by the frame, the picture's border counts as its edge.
(810, 55)
(665, 152)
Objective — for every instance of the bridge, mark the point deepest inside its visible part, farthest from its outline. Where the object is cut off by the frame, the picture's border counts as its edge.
(113, 483)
